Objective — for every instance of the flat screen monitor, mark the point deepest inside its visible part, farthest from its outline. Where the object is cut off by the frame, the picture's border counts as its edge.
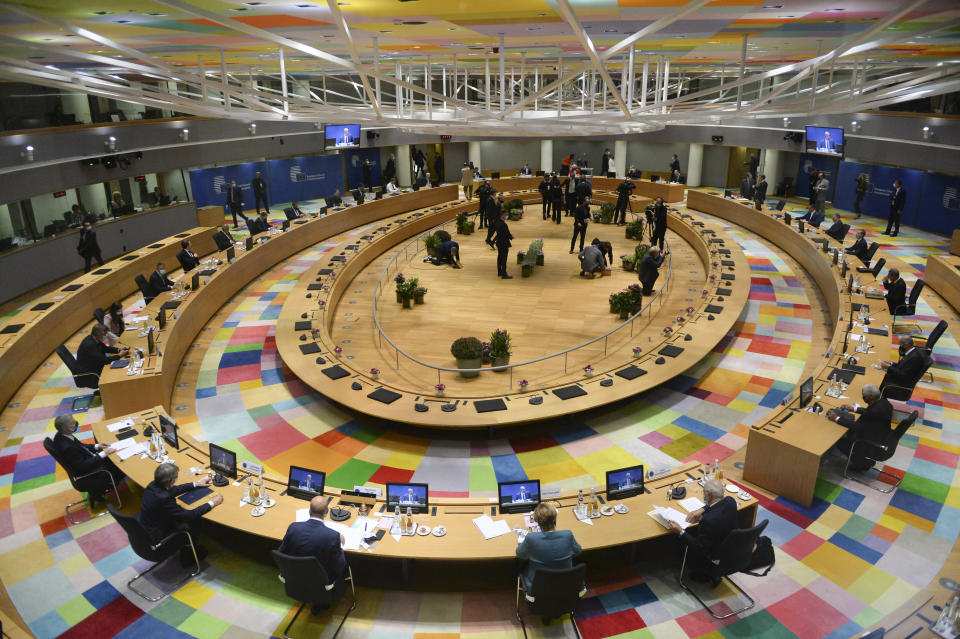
(162, 318)
(195, 281)
(843, 270)
(168, 428)
(223, 461)
(727, 194)
(836, 256)
(151, 346)
(781, 204)
(654, 178)
(625, 482)
(414, 496)
(231, 253)
(518, 496)
(249, 243)
(304, 483)
(341, 136)
(286, 225)
(806, 392)
(826, 140)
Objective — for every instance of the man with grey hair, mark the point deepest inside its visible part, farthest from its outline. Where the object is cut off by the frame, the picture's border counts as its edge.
(312, 538)
(717, 518)
(85, 459)
(649, 268)
(908, 371)
(161, 515)
(870, 422)
(94, 354)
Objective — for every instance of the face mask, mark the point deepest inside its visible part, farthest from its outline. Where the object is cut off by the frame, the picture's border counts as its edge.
(76, 427)
(161, 271)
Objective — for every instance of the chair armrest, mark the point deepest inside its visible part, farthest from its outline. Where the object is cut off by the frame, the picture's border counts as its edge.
(874, 449)
(97, 375)
(163, 541)
(91, 473)
(896, 309)
(883, 393)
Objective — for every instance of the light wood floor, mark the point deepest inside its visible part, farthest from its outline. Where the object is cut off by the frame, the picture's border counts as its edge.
(552, 310)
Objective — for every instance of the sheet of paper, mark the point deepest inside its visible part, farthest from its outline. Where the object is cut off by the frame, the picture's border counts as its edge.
(303, 514)
(129, 451)
(690, 504)
(386, 522)
(490, 528)
(125, 443)
(670, 514)
(585, 520)
(123, 423)
(352, 536)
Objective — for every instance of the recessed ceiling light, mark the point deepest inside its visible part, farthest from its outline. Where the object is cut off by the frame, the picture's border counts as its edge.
(306, 6)
(240, 9)
(122, 21)
(386, 31)
(413, 22)
(102, 13)
(609, 30)
(253, 4)
(833, 10)
(155, 14)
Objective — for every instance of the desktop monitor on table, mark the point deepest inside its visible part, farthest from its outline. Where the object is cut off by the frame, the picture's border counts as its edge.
(168, 428)
(625, 482)
(518, 496)
(806, 392)
(304, 483)
(223, 462)
(413, 496)
(195, 281)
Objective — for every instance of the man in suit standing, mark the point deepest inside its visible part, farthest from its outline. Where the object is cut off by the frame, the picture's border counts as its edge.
(649, 269)
(716, 519)
(760, 192)
(823, 185)
(159, 281)
(544, 189)
(746, 187)
(836, 229)
(556, 198)
(466, 181)
(675, 165)
(897, 201)
(624, 189)
(235, 201)
(863, 183)
(484, 195)
(908, 370)
(260, 192)
(223, 238)
(812, 186)
(161, 515)
(390, 170)
(84, 459)
(659, 223)
(187, 258)
(93, 354)
(88, 248)
(605, 163)
(871, 422)
(312, 538)
(366, 170)
(492, 214)
(859, 248)
(896, 290)
(502, 239)
(570, 193)
(581, 218)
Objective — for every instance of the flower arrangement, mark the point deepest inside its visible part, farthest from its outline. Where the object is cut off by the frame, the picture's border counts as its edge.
(588, 370)
(704, 292)
(418, 294)
(337, 350)
(681, 319)
(440, 388)
(667, 331)
(499, 344)
(636, 293)
(622, 303)
(716, 264)
(321, 303)
(374, 373)
(689, 310)
(636, 351)
(713, 277)
(314, 333)
(399, 279)
(523, 384)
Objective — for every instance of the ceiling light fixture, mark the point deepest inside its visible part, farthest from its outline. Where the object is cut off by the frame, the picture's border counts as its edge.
(786, 122)
(110, 144)
(927, 133)
(855, 126)
(102, 13)
(27, 153)
(252, 129)
(184, 135)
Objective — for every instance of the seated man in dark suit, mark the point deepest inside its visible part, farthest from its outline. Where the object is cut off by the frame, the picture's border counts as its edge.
(859, 247)
(159, 281)
(187, 258)
(813, 217)
(293, 211)
(909, 369)
(93, 354)
(717, 518)
(836, 229)
(82, 459)
(335, 199)
(870, 422)
(258, 224)
(312, 538)
(223, 238)
(896, 290)
(161, 515)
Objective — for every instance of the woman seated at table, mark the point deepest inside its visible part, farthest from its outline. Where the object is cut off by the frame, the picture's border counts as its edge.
(113, 320)
(549, 548)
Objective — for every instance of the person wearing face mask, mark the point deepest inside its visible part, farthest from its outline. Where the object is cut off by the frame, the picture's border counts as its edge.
(84, 459)
(908, 370)
(716, 519)
(159, 281)
(88, 248)
(187, 258)
(93, 354)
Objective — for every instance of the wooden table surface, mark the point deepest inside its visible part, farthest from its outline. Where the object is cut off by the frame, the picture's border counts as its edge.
(644, 188)
(784, 458)
(462, 542)
(943, 276)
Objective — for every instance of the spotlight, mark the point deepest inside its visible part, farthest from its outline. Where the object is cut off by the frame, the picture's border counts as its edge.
(27, 153)
(110, 144)
(252, 128)
(855, 126)
(184, 135)
(316, 125)
(927, 133)
(786, 122)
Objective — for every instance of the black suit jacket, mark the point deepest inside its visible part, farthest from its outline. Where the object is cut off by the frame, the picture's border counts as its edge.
(235, 195)
(674, 166)
(835, 230)
(188, 261)
(88, 243)
(334, 200)
(160, 514)
(160, 283)
(746, 188)
(760, 192)
(715, 524)
(659, 219)
(502, 235)
(896, 294)
(79, 458)
(872, 422)
(312, 538)
(649, 267)
(859, 248)
(259, 186)
(897, 200)
(93, 355)
(223, 240)
(581, 216)
(907, 371)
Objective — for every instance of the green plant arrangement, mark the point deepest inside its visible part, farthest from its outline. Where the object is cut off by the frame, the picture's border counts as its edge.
(464, 224)
(406, 291)
(514, 209)
(634, 230)
(500, 349)
(628, 261)
(418, 294)
(636, 294)
(431, 242)
(400, 281)
(622, 303)
(606, 213)
(639, 252)
(468, 352)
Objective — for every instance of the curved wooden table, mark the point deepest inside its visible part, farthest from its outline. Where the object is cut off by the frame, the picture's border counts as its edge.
(785, 457)
(644, 188)
(334, 375)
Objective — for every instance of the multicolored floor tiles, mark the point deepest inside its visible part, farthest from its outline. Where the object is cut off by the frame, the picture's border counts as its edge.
(852, 557)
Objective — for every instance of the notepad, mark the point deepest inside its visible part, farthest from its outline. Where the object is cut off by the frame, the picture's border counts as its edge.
(195, 494)
(491, 528)
(691, 504)
(664, 516)
(123, 423)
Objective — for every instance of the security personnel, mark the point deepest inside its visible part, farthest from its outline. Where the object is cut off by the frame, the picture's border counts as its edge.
(544, 189)
(623, 200)
(581, 218)
(556, 197)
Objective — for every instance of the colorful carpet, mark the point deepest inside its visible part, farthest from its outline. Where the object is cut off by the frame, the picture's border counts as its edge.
(853, 556)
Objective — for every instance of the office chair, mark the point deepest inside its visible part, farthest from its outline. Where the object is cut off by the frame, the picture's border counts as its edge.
(80, 483)
(99, 315)
(878, 453)
(878, 266)
(843, 232)
(81, 379)
(910, 308)
(145, 288)
(927, 343)
(306, 581)
(553, 593)
(903, 393)
(290, 213)
(871, 251)
(142, 544)
(734, 555)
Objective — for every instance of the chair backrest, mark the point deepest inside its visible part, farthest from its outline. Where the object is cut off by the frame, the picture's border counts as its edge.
(935, 334)
(48, 445)
(871, 251)
(290, 213)
(144, 287)
(99, 315)
(879, 265)
(67, 357)
(736, 550)
(915, 292)
(304, 578)
(902, 428)
(844, 229)
(140, 540)
(557, 592)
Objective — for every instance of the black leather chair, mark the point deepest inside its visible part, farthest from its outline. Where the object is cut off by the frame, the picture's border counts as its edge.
(733, 556)
(927, 343)
(910, 308)
(878, 267)
(878, 453)
(99, 315)
(143, 544)
(553, 593)
(843, 232)
(290, 213)
(903, 393)
(80, 483)
(145, 288)
(306, 581)
(80, 378)
(871, 251)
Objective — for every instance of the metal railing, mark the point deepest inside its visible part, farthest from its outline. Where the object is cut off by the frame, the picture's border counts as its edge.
(393, 267)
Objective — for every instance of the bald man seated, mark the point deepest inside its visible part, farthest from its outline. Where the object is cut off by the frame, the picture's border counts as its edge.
(716, 519)
(870, 422)
(312, 538)
(81, 459)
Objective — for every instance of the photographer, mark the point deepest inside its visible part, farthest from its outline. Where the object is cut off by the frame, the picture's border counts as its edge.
(624, 189)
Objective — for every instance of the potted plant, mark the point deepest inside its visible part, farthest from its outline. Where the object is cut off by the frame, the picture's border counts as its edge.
(418, 294)
(539, 258)
(634, 230)
(613, 303)
(400, 281)
(588, 370)
(514, 209)
(440, 388)
(627, 262)
(522, 384)
(375, 373)
(431, 242)
(636, 295)
(606, 213)
(407, 290)
(500, 349)
(468, 353)
(623, 303)
(536, 249)
(520, 256)
(636, 351)
(464, 224)
(526, 269)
